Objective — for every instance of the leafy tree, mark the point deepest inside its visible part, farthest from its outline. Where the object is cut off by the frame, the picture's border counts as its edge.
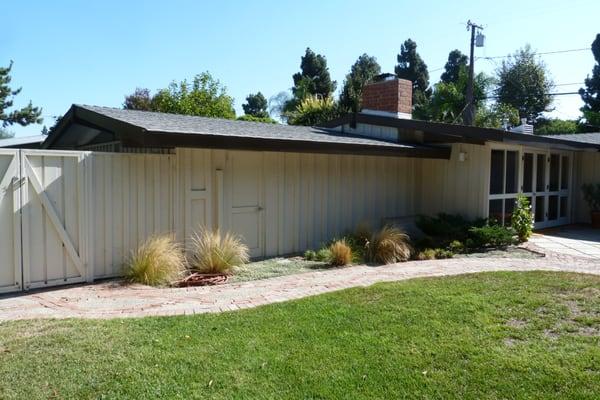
(497, 116)
(448, 100)
(591, 94)
(555, 126)
(313, 111)
(523, 82)
(412, 67)
(457, 61)
(140, 99)
(22, 116)
(204, 96)
(5, 134)
(277, 104)
(361, 73)
(312, 80)
(252, 118)
(256, 105)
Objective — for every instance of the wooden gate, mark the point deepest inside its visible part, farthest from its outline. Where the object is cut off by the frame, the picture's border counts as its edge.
(53, 218)
(10, 222)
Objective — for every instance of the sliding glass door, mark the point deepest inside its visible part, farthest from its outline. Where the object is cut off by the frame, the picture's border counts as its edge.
(542, 176)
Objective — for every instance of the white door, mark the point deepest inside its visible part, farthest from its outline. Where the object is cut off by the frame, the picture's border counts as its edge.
(550, 174)
(246, 199)
(544, 177)
(10, 222)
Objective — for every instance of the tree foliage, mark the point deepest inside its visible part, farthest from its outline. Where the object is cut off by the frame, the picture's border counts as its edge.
(204, 96)
(556, 126)
(256, 105)
(457, 61)
(313, 111)
(22, 116)
(314, 78)
(591, 93)
(252, 118)
(449, 100)
(140, 99)
(524, 83)
(412, 67)
(361, 73)
(496, 115)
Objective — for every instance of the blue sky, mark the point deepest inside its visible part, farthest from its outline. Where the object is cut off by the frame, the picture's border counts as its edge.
(96, 52)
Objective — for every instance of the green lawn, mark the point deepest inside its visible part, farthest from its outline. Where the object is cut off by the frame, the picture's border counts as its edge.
(493, 335)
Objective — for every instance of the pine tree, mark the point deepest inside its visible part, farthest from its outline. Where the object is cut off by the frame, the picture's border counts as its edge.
(23, 116)
(361, 73)
(412, 67)
(591, 94)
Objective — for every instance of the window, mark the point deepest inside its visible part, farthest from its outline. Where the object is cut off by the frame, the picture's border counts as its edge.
(495, 211)
(564, 203)
(528, 173)
(512, 172)
(552, 207)
(540, 180)
(554, 165)
(497, 172)
(564, 173)
(540, 208)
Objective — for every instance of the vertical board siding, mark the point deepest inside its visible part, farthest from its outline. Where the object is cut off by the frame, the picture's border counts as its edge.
(131, 201)
(10, 267)
(586, 169)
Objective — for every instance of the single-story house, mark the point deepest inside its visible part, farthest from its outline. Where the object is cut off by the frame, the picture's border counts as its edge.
(23, 142)
(289, 188)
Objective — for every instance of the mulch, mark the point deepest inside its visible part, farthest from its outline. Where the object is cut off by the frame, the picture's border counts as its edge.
(197, 279)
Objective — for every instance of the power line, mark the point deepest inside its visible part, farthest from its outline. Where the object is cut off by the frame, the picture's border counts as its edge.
(545, 94)
(538, 54)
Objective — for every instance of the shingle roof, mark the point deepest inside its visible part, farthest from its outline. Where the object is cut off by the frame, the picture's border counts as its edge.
(21, 141)
(591, 138)
(155, 122)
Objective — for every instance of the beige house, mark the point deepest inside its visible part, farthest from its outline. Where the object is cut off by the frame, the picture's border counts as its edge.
(107, 178)
(287, 188)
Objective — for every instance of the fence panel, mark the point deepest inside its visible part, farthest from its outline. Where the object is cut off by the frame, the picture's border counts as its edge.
(53, 207)
(10, 222)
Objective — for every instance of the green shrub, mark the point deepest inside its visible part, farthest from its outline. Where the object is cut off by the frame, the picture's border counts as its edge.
(158, 261)
(522, 218)
(443, 253)
(426, 254)
(491, 236)
(389, 245)
(323, 255)
(445, 228)
(340, 253)
(310, 255)
(456, 246)
(213, 253)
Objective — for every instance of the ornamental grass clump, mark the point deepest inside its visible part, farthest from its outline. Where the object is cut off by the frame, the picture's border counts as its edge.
(213, 253)
(159, 261)
(340, 253)
(389, 245)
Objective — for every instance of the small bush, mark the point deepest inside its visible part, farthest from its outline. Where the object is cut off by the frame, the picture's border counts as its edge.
(340, 253)
(491, 236)
(323, 255)
(216, 254)
(443, 253)
(427, 254)
(522, 218)
(158, 261)
(389, 245)
(456, 246)
(310, 255)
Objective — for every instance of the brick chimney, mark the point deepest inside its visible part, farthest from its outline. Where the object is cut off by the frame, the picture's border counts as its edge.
(388, 96)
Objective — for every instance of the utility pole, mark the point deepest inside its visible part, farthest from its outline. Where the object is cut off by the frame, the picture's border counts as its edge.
(469, 113)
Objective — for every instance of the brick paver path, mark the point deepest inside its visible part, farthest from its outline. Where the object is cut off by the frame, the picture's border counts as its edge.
(110, 299)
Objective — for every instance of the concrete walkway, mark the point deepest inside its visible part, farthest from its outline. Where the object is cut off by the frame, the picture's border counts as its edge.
(111, 300)
(573, 240)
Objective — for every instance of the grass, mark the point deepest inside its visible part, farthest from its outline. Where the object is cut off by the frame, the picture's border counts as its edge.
(483, 336)
(158, 261)
(213, 253)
